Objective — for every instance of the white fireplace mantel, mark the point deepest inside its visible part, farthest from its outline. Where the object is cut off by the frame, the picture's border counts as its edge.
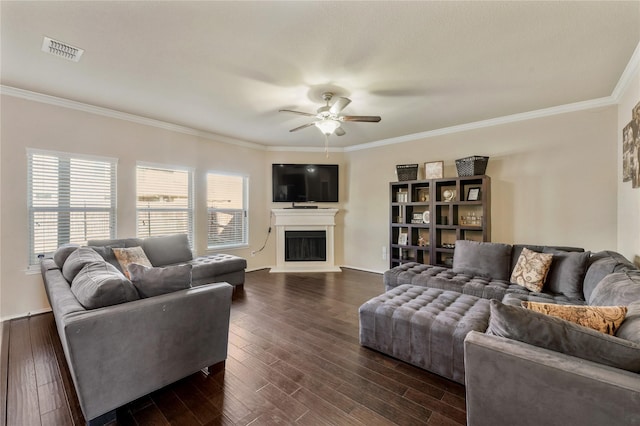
(305, 220)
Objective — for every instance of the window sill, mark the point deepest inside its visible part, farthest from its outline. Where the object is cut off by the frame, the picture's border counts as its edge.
(227, 248)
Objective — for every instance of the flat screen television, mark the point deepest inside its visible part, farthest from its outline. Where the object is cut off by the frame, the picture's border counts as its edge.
(303, 183)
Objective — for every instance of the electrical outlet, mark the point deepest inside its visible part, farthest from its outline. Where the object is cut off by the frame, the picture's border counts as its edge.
(384, 252)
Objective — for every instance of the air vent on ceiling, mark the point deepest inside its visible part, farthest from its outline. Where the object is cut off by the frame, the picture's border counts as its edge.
(61, 49)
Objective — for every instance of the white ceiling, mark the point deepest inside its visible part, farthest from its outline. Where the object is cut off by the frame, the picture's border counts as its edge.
(228, 67)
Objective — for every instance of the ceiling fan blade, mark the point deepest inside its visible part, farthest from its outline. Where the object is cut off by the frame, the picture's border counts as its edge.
(339, 105)
(302, 127)
(298, 112)
(367, 118)
(339, 131)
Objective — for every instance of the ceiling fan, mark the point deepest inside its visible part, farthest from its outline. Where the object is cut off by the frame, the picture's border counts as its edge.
(328, 118)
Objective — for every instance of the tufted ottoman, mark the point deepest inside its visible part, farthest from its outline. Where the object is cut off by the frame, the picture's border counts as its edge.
(423, 326)
(218, 268)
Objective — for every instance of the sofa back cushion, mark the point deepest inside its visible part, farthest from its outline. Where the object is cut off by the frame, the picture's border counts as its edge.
(63, 252)
(630, 327)
(567, 272)
(485, 259)
(562, 336)
(77, 260)
(167, 249)
(517, 250)
(618, 289)
(602, 264)
(100, 284)
(150, 281)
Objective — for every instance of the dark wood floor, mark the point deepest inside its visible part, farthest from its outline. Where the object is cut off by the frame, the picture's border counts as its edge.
(294, 358)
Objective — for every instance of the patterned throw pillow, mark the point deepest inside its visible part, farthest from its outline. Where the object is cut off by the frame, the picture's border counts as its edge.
(605, 319)
(130, 255)
(531, 269)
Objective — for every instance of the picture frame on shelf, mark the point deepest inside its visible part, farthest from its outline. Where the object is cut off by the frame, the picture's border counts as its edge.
(473, 194)
(434, 170)
(403, 239)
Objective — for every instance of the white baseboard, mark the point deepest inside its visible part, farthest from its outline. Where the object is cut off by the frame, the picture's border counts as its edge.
(25, 315)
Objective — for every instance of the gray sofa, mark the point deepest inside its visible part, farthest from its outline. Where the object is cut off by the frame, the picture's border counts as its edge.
(120, 346)
(428, 311)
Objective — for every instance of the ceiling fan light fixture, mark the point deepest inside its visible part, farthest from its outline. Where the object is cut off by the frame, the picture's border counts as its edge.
(327, 126)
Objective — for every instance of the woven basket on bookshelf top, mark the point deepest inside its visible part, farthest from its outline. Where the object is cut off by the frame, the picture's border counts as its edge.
(407, 171)
(472, 166)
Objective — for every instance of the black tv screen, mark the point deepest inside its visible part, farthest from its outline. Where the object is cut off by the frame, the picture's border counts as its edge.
(298, 183)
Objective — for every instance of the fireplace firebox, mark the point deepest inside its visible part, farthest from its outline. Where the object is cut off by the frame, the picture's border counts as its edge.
(305, 246)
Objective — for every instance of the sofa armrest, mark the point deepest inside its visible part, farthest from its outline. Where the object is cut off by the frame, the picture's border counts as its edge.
(119, 353)
(510, 382)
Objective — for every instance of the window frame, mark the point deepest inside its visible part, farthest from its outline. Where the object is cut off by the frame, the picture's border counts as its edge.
(190, 209)
(245, 211)
(64, 175)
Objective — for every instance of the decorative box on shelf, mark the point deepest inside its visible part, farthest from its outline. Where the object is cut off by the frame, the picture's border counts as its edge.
(472, 166)
(407, 171)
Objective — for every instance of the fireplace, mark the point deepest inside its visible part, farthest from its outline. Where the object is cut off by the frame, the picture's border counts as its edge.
(304, 240)
(305, 246)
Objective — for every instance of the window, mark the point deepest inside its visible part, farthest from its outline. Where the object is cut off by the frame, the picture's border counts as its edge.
(227, 222)
(71, 199)
(164, 201)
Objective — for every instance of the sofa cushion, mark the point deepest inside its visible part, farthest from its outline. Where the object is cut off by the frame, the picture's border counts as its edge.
(150, 281)
(215, 265)
(77, 260)
(129, 255)
(605, 319)
(531, 269)
(63, 252)
(602, 264)
(630, 327)
(485, 259)
(558, 335)
(517, 250)
(567, 272)
(167, 249)
(108, 255)
(621, 288)
(515, 296)
(100, 284)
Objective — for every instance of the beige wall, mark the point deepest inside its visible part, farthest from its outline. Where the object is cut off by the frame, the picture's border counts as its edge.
(628, 197)
(553, 182)
(28, 124)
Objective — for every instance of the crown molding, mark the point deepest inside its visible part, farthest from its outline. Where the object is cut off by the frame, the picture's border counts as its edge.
(627, 75)
(546, 112)
(111, 113)
(304, 149)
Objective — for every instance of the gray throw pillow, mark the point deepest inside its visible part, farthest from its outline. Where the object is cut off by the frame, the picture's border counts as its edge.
(630, 327)
(567, 272)
(618, 289)
(491, 260)
(155, 281)
(562, 336)
(107, 254)
(63, 252)
(167, 249)
(76, 261)
(100, 284)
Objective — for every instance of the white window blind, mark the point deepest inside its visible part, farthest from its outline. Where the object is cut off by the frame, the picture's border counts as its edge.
(164, 201)
(71, 199)
(227, 210)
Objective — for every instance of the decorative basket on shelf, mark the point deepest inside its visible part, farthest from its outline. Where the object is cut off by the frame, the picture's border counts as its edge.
(472, 166)
(407, 171)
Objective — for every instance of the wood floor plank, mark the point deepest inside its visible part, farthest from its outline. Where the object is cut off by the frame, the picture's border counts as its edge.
(22, 395)
(294, 358)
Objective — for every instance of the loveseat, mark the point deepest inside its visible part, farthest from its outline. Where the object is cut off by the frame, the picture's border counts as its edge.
(428, 311)
(122, 338)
